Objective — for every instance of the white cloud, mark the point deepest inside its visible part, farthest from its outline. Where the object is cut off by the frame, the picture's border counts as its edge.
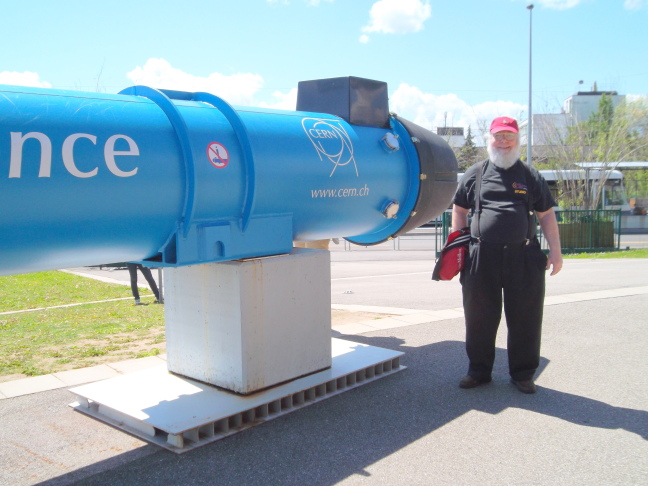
(26, 78)
(282, 101)
(364, 39)
(635, 4)
(235, 88)
(425, 109)
(633, 98)
(397, 16)
(432, 111)
(558, 4)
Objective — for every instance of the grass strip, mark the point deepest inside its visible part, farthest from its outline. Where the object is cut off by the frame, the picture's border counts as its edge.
(638, 253)
(48, 289)
(58, 339)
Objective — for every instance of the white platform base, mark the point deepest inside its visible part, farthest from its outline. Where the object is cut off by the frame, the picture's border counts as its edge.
(180, 414)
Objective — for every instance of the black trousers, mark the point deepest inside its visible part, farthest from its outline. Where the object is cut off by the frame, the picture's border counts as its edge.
(132, 270)
(516, 272)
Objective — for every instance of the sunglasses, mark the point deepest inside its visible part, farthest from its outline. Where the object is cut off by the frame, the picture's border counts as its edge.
(504, 136)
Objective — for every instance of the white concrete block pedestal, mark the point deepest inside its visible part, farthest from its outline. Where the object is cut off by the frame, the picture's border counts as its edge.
(248, 325)
(247, 341)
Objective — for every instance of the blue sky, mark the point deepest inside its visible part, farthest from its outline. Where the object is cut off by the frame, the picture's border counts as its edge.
(458, 62)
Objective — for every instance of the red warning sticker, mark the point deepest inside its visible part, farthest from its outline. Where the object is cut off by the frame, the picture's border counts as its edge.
(218, 155)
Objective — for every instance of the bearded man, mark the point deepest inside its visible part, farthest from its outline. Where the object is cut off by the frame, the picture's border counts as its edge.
(505, 257)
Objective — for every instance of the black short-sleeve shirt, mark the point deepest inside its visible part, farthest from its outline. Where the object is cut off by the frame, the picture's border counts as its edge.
(504, 200)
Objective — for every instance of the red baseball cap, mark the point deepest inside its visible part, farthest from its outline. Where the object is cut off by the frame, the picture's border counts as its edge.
(504, 124)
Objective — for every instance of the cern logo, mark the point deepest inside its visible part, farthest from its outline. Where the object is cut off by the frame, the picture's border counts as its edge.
(331, 141)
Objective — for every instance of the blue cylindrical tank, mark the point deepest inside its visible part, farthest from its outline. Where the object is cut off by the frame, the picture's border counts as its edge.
(173, 178)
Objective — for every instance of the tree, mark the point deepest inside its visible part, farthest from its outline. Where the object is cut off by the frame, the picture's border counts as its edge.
(469, 153)
(609, 136)
(636, 183)
(600, 122)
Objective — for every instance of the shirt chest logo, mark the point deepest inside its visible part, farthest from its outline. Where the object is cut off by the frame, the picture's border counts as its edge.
(519, 188)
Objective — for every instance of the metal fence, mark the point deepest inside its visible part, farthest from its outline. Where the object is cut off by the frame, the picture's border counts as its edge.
(581, 231)
(593, 230)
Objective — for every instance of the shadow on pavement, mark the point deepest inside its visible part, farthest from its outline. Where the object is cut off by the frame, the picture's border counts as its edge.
(332, 440)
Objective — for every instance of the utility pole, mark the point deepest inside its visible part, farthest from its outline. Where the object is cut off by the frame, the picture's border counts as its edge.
(530, 121)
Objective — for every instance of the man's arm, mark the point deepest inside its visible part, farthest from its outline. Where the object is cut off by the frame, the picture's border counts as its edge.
(549, 227)
(459, 217)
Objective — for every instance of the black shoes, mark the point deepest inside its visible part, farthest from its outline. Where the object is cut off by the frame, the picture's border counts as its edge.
(525, 386)
(470, 382)
(156, 301)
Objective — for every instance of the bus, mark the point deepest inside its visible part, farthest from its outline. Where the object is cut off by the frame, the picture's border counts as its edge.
(587, 187)
(581, 185)
(574, 181)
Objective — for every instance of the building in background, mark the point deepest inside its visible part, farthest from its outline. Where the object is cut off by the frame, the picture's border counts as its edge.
(581, 105)
(453, 135)
(553, 129)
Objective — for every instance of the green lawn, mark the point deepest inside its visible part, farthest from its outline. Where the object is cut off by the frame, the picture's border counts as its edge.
(639, 253)
(47, 289)
(44, 341)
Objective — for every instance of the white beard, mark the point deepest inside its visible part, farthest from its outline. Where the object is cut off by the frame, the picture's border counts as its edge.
(503, 159)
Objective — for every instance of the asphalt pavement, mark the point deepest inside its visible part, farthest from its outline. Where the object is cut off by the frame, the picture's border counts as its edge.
(587, 424)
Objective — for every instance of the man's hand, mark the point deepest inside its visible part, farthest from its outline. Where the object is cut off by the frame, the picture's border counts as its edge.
(549, 227)
(554, 261)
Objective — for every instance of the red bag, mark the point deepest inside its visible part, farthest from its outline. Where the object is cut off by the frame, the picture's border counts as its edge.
(453, 255)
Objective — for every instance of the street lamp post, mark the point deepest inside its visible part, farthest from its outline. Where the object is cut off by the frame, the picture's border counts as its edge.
(530, 121)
